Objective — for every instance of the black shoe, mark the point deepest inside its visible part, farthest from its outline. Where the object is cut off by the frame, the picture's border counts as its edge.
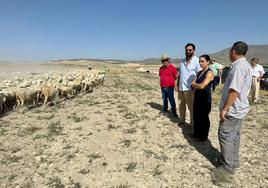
(175, 115)
(223, 169)
(181, 122)
(220, 162)
(192, 135)
(200, 140)
(164, 113)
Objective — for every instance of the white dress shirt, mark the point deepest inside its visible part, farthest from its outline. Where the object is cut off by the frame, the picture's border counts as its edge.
(188, 72)
(257, 71)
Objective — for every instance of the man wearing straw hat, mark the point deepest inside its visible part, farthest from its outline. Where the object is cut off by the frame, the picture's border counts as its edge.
(168, 75)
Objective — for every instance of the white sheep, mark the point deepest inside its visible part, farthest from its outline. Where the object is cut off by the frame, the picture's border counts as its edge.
(49, 92)
(76, 86)
(9, 97)
(26, 95)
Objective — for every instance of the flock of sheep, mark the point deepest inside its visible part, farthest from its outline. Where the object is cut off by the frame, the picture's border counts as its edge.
(52, 87)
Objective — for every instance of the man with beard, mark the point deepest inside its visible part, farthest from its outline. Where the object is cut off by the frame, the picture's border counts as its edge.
(188, 68)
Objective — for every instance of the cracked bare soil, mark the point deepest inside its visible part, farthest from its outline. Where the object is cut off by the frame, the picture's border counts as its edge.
(115, 137)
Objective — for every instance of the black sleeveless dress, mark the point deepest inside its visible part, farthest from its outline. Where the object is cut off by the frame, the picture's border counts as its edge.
(201, 108)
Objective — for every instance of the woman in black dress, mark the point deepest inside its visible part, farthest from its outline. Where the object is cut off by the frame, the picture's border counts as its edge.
(202, 99)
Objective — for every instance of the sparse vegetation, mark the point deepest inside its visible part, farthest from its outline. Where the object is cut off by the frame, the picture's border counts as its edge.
(131, 167)
(126, 143)
(3, 127)
(122, 186)
(8, 159)
(31, 129)
(178, 146)
(131, 130)
(116, 134)
(110, 127)
(54, 129)
(45, 117)
(156, 171)
(55, 182)
(84, 171)
(93, 157)
(75, 117)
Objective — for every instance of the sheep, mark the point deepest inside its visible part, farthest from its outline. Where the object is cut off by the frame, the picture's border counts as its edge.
(9, 98)
(76, 86)
(65, 92)
(101, 78)
(1, 102)
(26, 95)
(48, 92)
(87, 85)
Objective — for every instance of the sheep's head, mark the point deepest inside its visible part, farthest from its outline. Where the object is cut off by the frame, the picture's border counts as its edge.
(38, 92)
(4, 99)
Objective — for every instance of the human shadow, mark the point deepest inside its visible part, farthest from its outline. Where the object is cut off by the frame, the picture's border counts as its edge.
(159, 108)
(204, 148)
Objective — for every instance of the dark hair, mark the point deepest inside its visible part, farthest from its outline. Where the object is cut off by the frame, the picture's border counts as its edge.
(190, 44)
(240, 48)
(206, 56)
(255, 59)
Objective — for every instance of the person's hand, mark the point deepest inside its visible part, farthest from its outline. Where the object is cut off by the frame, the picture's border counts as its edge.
(177, 88)
(259, 79)
(222, 115)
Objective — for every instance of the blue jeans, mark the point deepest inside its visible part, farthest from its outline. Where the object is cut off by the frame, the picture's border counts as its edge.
(168, 94)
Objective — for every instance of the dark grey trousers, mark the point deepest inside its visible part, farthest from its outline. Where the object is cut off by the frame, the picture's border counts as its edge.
(229, 138)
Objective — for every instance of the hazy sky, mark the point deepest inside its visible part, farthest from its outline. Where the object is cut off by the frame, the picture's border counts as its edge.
(126, 29)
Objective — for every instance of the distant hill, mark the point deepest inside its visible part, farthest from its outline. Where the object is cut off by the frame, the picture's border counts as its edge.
(156, 61)
(89, 60)
(260, 51)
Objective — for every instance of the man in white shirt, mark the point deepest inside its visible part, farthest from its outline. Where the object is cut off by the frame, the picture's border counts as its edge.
(257, 73)
(188, 68)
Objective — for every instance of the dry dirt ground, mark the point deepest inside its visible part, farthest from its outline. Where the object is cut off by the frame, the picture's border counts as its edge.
(115, 137)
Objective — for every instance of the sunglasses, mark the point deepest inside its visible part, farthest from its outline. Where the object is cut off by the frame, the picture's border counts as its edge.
(164, 60)
(189, 50)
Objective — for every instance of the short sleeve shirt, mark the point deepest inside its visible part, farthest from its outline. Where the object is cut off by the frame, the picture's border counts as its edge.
(238, 79)
(215, 68)
(168, 74)
(188, 73)
(257, 71)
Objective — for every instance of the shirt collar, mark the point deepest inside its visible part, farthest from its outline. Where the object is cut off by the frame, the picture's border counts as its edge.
(240, 59)
(166, 65)
(189, 60)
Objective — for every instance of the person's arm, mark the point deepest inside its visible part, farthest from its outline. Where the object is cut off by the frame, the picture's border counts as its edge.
(262, 72)
(219, 67)
(178, 78)
(232, 95)
(205, 82)
(175, 72)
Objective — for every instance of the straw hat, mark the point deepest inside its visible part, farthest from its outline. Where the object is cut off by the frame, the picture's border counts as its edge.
(164, 57)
